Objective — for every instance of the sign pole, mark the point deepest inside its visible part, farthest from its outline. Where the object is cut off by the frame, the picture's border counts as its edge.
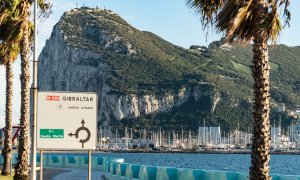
(33, 123)
(41, 164)
(90, 165)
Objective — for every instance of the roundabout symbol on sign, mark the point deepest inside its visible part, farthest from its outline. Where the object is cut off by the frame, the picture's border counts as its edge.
(82, 128)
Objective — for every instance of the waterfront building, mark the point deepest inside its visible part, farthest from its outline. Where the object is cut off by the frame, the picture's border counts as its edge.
(281, 107)
(294, 133)
(275, 134)
(127, 143)
(240, 139)
(298, 142)
(209, 135)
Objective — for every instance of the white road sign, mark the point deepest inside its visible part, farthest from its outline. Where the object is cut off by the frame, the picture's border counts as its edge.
(66, 121)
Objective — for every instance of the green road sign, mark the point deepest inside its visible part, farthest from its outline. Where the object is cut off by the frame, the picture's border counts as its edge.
(52, 133)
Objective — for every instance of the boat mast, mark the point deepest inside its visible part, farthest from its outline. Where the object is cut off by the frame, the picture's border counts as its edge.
(204, 129)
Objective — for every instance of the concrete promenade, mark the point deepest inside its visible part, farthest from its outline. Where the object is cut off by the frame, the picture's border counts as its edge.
(70, 174)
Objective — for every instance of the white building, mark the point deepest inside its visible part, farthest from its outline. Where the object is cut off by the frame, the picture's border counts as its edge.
(281, 107)
(209, 135)
(294, 131)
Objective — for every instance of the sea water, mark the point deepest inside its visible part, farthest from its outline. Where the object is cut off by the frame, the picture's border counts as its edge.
(280, 164)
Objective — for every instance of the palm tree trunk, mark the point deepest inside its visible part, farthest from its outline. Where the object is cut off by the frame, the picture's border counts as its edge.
(21, 168)
(6, 152)
(260, 153)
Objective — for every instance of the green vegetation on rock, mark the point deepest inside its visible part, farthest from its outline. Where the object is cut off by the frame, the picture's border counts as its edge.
(143, 63)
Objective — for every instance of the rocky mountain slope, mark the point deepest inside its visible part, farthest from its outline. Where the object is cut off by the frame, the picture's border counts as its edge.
(144, 81)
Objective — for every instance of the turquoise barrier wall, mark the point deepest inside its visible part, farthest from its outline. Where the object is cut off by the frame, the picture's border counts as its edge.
(115, 169)
(119, 171)
(70, 161)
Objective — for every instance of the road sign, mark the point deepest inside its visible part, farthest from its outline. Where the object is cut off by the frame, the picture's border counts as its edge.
(52, 133)
(66, 121)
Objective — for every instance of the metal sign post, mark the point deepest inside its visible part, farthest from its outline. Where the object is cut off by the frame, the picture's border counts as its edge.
(41, 164)
(34, 88)
(90, 165)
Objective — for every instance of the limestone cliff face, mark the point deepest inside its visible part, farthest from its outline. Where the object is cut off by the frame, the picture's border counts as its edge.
(132, 105)
(68, 66)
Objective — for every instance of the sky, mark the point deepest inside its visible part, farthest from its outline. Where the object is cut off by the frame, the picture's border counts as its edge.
(170, 19)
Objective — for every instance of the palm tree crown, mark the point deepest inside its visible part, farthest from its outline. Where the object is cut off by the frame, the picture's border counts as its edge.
(235, 18)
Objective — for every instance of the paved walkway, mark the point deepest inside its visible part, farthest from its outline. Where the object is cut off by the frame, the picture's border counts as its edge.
(70, 174)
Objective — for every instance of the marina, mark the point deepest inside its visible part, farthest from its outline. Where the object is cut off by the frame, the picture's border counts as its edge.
(206, 139)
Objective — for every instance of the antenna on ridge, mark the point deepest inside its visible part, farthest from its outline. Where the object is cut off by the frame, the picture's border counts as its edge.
(76, 5)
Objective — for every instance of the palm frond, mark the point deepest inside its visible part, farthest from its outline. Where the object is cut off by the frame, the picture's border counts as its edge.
(13, 5)
(16, 32)
(272, 23)
(3, 16)
(236, 20)
(208, 9)
(286, 12)
(8, 52)
(45, 9)
(30, 31)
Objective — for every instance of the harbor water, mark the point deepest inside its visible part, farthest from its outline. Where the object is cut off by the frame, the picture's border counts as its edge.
(280, 164)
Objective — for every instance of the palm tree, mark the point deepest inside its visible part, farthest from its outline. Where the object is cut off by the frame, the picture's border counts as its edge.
(16, 31)
(8, 58)
(21, 168)
(9, 51)
(246, 21)
(19, 10)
